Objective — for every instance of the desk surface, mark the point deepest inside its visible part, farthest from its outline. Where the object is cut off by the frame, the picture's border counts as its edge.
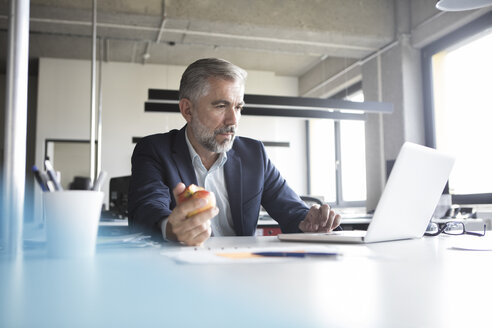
(412, 283)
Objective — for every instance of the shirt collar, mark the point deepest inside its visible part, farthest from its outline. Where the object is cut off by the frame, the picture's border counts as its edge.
(195, 158)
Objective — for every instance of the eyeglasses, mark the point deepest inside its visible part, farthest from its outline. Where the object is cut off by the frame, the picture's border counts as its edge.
(452, 228)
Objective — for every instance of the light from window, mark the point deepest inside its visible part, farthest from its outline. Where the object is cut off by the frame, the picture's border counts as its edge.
(353, 156)
(462, 80)
(356, 96)
(322, 159)
(353, 159)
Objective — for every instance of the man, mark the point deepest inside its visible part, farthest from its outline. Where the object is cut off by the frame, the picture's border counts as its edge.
(207, 152)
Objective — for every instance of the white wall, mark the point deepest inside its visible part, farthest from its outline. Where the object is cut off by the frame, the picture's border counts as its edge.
(64, 109)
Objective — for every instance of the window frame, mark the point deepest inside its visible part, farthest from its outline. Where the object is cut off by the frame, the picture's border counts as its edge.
(471, 30)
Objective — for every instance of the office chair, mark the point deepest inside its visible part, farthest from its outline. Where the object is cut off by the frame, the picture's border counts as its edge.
(118, 196)
(80, 183)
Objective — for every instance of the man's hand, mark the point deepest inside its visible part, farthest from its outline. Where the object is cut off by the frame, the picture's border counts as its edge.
(320, 219)
(193, 230)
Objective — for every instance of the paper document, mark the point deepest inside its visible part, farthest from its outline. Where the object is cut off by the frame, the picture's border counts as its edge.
(204, 255)
(471, 243)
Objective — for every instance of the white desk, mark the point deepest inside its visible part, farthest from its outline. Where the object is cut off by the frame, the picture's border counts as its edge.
(413, 283)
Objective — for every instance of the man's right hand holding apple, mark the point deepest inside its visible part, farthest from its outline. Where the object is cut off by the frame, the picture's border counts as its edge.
(188, 223)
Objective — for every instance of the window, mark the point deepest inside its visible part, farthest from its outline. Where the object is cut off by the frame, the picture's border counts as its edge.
(337, 165)
(459, 106)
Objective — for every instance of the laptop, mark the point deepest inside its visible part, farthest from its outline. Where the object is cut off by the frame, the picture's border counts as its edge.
(407, 203)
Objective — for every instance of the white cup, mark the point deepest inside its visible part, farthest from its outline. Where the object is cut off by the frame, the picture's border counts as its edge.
(72, 220)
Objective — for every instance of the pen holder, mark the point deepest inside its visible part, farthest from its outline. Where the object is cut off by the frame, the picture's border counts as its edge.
(72, 220)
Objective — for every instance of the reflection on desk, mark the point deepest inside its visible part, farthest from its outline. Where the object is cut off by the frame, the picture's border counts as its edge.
(411, 283)
(113, 227)
(354, 221)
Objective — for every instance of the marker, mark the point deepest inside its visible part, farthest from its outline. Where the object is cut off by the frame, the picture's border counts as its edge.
(50, 185)
(296, 254)
(99, 181)
(39, 178)
(52, 175)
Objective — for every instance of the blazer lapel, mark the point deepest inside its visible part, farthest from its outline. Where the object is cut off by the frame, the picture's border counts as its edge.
(181, 157)
(233, 179)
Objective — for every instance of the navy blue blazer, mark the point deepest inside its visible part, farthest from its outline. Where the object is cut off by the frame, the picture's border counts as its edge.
(161, 161)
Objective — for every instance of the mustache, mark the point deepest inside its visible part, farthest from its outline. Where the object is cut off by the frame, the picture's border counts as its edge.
(226, 129)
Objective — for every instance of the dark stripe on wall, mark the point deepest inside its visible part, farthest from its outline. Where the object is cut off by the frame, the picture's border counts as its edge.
(276, 143)
(265, 143)
(162, 94)
(256, 111)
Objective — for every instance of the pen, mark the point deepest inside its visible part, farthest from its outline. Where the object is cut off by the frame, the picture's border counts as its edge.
(39, 178)
(52, 175)
(296, 254)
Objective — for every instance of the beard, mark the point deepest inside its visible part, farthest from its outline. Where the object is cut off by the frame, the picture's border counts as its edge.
(206, 137)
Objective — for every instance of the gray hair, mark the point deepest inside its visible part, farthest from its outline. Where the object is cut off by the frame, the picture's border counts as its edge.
(194, 82)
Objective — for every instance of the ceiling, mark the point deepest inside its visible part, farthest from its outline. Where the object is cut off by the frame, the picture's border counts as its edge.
(288, 37)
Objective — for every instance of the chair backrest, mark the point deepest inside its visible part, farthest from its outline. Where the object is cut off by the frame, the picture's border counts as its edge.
(80, 183)
(118, 195)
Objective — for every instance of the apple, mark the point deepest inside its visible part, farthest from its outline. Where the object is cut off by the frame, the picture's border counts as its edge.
(194, 192)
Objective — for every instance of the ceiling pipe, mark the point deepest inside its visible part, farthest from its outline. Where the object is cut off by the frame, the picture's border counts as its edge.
(92, 138)
(14, 169)
(351, 67)
(99, 113)
(209, 34)
(146, 55)
(163, 22)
